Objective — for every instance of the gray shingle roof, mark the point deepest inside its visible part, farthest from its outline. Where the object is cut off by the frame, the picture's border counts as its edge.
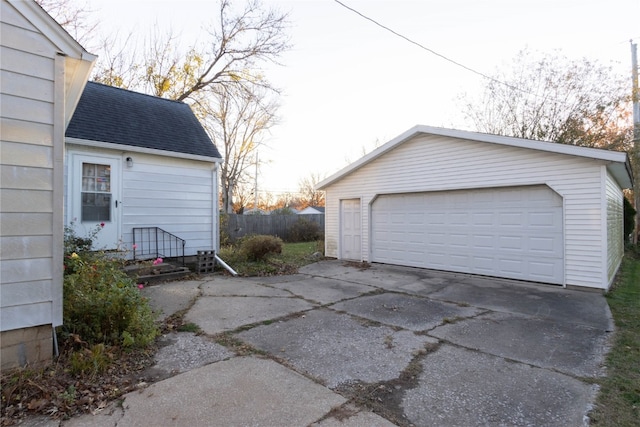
(119, 116)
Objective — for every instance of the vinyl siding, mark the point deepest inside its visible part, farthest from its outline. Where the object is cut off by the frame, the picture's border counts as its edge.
(615, 227)
(174, 194)
(28, 125)
(436, 163)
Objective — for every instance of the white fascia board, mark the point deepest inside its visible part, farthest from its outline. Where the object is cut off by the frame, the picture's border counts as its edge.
(131, 149)
(552, 147)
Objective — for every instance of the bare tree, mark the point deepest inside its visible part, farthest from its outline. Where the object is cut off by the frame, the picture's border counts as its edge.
(555, 99)
(220, 78)
(238, 123)
(74, 16)
(309, 196)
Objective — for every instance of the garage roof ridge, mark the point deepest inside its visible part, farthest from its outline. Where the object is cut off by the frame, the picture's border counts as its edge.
(613, 157)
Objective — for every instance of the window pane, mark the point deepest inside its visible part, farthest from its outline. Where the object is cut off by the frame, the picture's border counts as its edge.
(96, 207)
(96, 177)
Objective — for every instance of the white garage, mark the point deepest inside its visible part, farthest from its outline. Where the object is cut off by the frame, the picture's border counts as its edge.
(482, 204)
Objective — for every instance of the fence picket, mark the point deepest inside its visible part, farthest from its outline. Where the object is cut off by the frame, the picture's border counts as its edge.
(238, 226)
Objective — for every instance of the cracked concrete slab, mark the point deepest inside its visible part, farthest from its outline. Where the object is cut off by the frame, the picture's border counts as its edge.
(243, 391)
(324, 290)
(405, 311)
(571, 348)
(468, 388)
(543, 301)
(353, 418)
(219, 288)
(336, 348)
(218, 314)
(172, 297)
(182, 351)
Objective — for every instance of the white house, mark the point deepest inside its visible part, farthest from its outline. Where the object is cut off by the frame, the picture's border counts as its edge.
(312, 210)
(43, 71)
(139, 162)
(482, 204)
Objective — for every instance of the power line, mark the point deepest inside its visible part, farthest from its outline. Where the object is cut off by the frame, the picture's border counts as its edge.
(414, 42)
(421, 46)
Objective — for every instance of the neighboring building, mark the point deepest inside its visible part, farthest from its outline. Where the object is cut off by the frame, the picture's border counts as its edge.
(482, 204)
(139, 161)
(311, 210)
(43, 73)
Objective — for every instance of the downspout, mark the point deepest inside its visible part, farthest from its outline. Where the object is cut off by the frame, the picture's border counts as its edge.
(226, 266)
(215, 208)
(216, 224)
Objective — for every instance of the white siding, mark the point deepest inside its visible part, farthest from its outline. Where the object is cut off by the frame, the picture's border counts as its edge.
(177, 195)
(29, 130)
(433, 163)
(615, 227)
(173, 194)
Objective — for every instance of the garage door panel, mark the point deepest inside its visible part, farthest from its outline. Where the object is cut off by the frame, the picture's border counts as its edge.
(515, 233)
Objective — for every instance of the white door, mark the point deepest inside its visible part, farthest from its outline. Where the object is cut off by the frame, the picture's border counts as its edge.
(504, 232)
(350, 235)
(95, 198)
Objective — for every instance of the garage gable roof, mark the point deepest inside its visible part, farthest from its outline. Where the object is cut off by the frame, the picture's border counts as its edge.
(618, 162)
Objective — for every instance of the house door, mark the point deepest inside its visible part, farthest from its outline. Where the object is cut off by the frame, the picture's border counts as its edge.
(95, 199)
(350, 234)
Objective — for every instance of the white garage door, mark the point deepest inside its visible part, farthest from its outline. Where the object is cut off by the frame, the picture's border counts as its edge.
(504, 232)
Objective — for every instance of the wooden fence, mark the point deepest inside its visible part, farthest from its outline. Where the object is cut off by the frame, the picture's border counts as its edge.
(237, 226)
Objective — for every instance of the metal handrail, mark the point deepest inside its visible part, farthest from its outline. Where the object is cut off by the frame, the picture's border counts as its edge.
(154, 241)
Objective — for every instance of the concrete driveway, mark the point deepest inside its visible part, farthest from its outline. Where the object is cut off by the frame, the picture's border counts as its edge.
(344, 344)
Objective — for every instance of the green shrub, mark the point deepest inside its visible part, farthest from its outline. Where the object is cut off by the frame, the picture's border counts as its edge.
(101, 304)
(304, 230)
(629, 219)
(257, 247)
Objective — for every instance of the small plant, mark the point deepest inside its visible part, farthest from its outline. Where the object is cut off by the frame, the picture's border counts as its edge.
(69, 394)
(257, 247)
(388, 341)
(90, 361)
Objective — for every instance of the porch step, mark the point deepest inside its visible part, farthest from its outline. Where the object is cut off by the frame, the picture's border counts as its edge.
(157, 273)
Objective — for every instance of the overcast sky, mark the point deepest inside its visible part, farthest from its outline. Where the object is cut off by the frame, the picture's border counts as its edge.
(348, 83)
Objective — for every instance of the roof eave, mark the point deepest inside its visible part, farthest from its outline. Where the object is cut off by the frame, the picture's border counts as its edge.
(598, 154)
(132, 149)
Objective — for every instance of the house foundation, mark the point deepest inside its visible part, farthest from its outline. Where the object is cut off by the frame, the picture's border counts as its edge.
(26, 346)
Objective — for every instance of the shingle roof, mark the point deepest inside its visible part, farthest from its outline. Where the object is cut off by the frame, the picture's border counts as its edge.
(119, 116)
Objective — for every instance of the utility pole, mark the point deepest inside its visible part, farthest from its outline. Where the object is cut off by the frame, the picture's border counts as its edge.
(636, 135)
(255, 190)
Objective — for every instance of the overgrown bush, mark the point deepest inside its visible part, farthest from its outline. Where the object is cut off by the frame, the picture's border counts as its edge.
(629, 219)
(257, 247)
(102, 305)
(304, 230)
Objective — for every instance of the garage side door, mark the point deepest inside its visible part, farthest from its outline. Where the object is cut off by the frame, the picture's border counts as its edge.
(350, 234)
(504, 232)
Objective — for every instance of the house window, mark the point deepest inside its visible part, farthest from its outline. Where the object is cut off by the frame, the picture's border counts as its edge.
(96, 192)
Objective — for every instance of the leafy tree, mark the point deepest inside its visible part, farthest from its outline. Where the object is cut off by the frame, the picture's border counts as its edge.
(553, 98)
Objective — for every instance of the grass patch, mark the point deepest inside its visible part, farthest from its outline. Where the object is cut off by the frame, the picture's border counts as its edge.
(618, 403)
(189, 327)
(293, 256)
